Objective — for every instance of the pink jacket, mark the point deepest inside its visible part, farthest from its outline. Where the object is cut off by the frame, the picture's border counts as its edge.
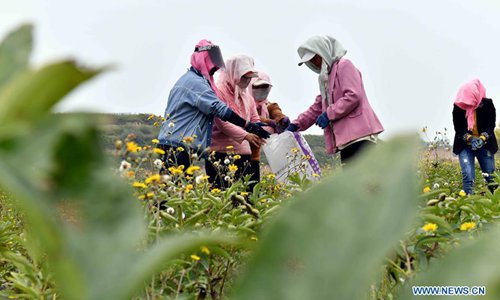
(226, 134)
(350, 113)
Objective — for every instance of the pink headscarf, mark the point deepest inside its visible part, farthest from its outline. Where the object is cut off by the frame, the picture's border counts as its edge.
(468, 98)
(236, 98)
(261, 105)
(201, 61)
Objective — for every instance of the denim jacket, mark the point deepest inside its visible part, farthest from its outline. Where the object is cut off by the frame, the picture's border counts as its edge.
(191, 108)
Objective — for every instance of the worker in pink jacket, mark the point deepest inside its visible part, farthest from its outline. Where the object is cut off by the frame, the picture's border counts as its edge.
(341, 109)
(230, 159)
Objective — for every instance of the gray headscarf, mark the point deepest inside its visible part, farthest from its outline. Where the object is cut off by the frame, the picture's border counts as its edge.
(330, 51)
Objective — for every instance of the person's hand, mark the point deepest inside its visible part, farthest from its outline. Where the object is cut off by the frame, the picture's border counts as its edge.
(254, 140)
(283, 124)
(476, 143)
(322, 121)
(292, 127)
(257, 130)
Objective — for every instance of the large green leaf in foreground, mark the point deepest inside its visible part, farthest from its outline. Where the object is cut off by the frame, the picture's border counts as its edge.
(83, 218)
(332, 241)
(15, 51)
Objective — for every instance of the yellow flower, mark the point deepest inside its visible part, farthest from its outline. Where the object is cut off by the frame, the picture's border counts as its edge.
(233, 168)
(192, 169)
(430, 227)
(155, 141)
(244, 194)
(467, 226)
(205, 250)
(180, 149)
(139, 185)
(229, 147)
(195, 257)
(153, 178)
(271, 176)
(130, 173)
(188, 140)
(159, 151)
(295, 150)
(427, 189)
(146, 196)
(151, 116)
(215, 191)
(462, 193)
(188, 188)
(176, 171)
(133, 147)
(236, 157)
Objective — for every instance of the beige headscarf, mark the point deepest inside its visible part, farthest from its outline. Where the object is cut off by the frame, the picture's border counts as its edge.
(330, 51)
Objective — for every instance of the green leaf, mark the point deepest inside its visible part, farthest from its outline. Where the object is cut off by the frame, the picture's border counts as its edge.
(475, 263)
(33, 93)
(15, 51)
(331, 242)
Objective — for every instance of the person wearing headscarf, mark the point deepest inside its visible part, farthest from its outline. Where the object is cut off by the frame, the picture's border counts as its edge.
(230, 159)
(474, 118)
(192, 105)
(341, 109)
(270, 113)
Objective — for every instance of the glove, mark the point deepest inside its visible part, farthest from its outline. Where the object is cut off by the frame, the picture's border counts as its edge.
(283, 124)
(292, 127)
(272, 124)
(322, 121)
(257, 130)
(476, 143)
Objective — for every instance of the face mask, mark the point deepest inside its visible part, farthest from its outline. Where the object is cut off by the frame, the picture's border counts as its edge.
(261, 94)
(313, 67)
(244, 82)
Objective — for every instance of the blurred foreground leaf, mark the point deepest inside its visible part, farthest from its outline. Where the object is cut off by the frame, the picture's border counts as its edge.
(82, 217)
(15, 51)
(330, 243)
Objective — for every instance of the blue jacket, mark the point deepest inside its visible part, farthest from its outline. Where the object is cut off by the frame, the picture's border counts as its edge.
(191, 108)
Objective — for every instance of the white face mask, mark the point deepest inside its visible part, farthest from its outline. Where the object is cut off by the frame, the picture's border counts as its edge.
(261, 94)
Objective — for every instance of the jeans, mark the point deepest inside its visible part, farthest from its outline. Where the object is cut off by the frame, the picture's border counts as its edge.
(467, 163)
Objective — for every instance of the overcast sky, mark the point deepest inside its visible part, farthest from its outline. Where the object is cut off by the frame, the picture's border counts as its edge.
(413, 54)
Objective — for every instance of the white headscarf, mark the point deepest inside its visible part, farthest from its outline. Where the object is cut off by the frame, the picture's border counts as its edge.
(330, 51)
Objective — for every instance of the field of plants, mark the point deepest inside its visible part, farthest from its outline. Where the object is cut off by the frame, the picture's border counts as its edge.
(78, 221)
